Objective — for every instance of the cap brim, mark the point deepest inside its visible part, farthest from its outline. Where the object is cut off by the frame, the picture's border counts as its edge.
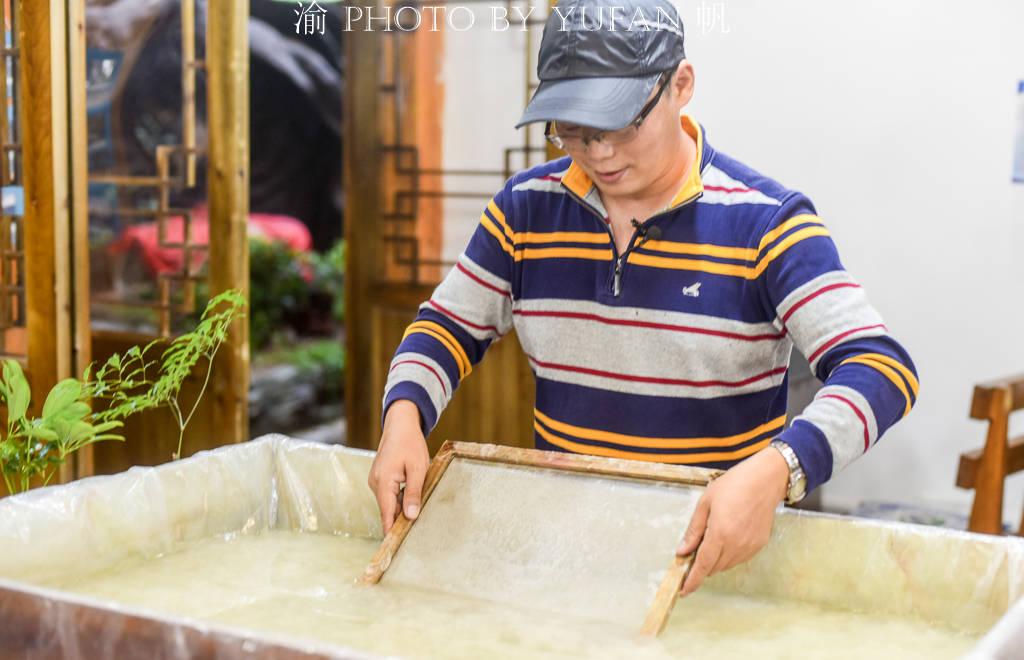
(603, 103)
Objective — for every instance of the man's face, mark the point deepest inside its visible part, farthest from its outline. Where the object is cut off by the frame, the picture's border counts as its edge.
(633, 169)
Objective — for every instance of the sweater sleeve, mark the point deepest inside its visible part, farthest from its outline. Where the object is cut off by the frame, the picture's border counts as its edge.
(468, 310)
(870, 382)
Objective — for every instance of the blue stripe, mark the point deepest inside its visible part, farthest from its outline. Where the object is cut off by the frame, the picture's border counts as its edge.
(658, 416)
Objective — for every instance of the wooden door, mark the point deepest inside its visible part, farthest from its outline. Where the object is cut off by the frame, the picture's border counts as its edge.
(394, 181)
(170, 180)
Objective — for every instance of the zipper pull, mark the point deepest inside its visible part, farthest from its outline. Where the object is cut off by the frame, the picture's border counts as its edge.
(617, 279)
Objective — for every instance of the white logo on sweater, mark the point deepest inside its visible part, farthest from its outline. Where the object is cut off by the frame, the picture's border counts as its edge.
(693, 290)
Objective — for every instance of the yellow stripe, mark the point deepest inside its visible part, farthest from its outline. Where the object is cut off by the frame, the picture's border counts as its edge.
(444, 342)
(446, 338)
(565, 253)
(489, 226)
(691, 264)
(701, 249)
(656, 458)
(887, 372)
(908, 375)
(657, 443)
(504, 233)
(716, 268)
(787, 243)
(786, 226)
(500, 217)
(562, 237)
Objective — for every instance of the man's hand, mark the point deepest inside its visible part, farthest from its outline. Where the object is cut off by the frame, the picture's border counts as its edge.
(402, 456)
(734, 516)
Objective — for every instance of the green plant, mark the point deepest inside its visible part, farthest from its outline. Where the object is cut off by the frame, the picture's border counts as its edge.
(285, 285)
(329, 277)
(129, 383)
(327, 355)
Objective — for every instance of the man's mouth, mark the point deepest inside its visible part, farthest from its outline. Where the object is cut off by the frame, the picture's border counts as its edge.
(611, 176)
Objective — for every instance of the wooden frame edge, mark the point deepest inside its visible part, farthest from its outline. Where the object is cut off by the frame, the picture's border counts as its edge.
(594, 465)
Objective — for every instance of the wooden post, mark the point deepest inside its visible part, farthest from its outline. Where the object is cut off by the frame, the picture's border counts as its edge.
(987, 509)
(362, 221)
(227, 62)
(79, 181)
(44, 104)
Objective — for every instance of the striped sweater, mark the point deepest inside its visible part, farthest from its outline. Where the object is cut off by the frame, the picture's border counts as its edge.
(676, 350)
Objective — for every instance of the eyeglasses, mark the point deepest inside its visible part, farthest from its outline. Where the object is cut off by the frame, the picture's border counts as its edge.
(575, 138)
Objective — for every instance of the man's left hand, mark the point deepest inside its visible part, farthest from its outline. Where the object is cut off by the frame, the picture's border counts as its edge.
(734, 516)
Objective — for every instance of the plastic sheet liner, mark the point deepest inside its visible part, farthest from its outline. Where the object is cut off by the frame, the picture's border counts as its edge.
(965, 579)
(546, 539)
(53, 533)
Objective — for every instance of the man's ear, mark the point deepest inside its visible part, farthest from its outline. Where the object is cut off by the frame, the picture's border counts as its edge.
(682, 83)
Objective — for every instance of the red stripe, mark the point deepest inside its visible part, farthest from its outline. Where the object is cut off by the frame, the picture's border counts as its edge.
(656, 326)
(815, 295)
(481, 282)
(550, 177)
(867, 438)
(443, 388)
(658, 381)
(836, 339)
(731, 190)
(462, 320)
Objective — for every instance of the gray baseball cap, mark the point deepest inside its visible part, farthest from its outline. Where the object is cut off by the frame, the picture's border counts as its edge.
(599, 60)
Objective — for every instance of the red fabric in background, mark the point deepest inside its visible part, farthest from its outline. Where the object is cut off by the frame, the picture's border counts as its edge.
(144, 238)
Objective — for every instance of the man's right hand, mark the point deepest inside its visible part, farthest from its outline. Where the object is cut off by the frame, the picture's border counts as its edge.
(402, 456)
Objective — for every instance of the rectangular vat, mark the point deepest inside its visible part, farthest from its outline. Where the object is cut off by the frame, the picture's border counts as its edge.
(968, 580)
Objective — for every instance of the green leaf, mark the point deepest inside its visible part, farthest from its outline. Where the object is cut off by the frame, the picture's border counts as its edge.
(107, 436)
(41, 433)
(80, 431)
(63, 394)
(106, 426)
(18, 393)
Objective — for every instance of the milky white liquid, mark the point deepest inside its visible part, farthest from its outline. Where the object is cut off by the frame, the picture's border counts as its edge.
(303, 584)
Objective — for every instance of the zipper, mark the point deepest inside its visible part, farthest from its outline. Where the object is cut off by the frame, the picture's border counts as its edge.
(617, 279)
(617, 274)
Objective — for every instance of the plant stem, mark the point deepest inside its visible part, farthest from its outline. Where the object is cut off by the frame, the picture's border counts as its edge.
(199, 397)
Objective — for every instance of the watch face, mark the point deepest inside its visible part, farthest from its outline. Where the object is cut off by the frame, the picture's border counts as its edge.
(797, 487)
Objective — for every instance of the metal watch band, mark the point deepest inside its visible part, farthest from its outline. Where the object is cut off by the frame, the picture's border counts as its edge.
(797, 479)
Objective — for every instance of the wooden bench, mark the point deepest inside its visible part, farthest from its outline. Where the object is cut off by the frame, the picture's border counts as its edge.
(985, 469)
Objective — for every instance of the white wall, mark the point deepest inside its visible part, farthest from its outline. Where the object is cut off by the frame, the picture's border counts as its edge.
(897, 118)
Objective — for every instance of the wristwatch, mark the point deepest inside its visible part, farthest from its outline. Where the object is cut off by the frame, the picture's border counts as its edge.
(797, 479)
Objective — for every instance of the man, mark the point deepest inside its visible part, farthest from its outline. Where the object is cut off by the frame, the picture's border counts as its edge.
(657, 287)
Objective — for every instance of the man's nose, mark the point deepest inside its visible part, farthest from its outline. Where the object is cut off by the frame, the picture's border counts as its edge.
(600, 148)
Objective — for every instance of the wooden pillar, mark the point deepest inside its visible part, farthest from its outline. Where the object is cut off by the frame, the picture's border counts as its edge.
(42, 35)
(424, 57)
(79, 193)
(227, 64)
(362, 220)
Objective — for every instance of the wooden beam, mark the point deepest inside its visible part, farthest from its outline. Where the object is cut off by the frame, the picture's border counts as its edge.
(227, 60)
(43, 113)
(424, 60)
(967, 475)
(362, 227)
(984, 393)
(79, 181)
